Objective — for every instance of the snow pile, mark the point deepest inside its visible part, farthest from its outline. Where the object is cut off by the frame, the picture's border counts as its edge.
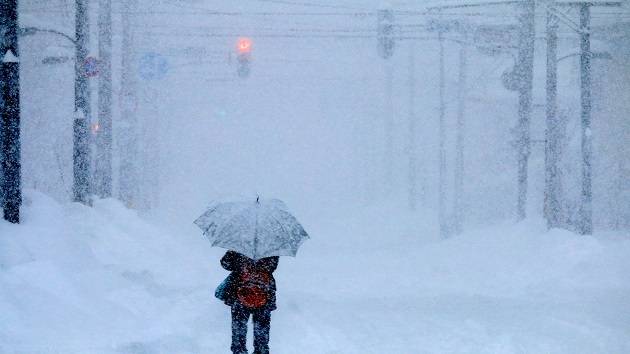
(102, 280)
(82, 280)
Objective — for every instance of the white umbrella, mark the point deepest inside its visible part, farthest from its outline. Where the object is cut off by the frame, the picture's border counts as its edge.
(256, 229)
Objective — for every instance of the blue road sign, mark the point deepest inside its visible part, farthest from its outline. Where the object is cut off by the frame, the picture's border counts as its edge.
(152, 66)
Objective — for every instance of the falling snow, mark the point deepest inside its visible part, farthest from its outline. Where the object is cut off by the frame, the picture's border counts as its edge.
(462, 169)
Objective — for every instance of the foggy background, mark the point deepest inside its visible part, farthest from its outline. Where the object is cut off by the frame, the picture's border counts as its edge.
(351, 142)
(309, 124)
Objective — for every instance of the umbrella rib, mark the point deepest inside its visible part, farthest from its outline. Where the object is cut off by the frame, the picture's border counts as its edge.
(294, 219)
(291, 216)
(209, 213)
(279, 223)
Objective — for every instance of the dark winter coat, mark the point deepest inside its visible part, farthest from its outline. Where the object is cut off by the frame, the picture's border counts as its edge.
(234, 262)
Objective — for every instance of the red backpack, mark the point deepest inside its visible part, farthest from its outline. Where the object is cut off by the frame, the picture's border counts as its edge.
(254, 287)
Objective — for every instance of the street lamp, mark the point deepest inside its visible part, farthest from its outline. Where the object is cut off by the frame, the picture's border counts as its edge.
(49, 60)
(30, 31)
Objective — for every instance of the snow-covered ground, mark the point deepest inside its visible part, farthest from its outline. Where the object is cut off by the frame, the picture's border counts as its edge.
(104, 280)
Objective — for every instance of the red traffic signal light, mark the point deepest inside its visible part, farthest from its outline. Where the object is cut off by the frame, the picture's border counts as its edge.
(243, 56)
(244, 45)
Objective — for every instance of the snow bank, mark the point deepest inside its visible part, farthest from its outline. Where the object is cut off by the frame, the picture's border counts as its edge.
(97, 280)
(103, 280)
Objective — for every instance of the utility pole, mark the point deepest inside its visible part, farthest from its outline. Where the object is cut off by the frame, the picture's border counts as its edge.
(81, 155)
(412, 150)
(388, 156)
(128, 138)
(442, 137)
(103, 165)
(585, 224)
(10, 111)
(552, 143)
(586, 207)
(385, 46)
(447, 226)
(525, 69)
(459, 144)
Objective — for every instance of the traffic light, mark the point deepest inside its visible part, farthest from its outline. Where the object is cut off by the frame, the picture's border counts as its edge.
(243, 57)
(385, 33)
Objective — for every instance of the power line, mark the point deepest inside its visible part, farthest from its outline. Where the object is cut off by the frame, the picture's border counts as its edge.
(241, 13)
(310, 4)
(357, 15)
(262, 29)
(256, 35)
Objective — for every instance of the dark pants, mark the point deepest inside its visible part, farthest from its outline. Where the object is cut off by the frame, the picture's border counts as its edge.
(262, 321)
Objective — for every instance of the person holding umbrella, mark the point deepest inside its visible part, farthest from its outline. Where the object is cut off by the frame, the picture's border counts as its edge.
(250, 291)
(255, 234)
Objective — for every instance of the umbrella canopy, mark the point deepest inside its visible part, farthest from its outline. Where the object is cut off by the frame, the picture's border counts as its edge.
(256, 229)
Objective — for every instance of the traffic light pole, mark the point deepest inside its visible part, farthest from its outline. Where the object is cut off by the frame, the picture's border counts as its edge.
(385, 45)
(128, 139)
(552, 143)
(10, 112)
(459, 143)
(586, 207)
(412, 147)
(389, 127)
(103, 163)
(81, 155)
(525, 72)
(442, 137)
(456, 225)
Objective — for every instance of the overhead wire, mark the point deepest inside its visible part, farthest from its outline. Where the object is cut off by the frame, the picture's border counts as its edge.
(310, 4)
(357, 15)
